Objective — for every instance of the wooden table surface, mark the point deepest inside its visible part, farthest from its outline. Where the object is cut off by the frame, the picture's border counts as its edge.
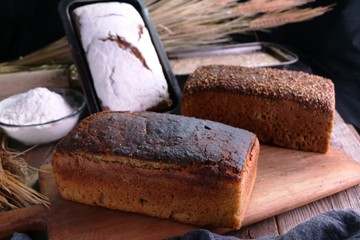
(344, 138)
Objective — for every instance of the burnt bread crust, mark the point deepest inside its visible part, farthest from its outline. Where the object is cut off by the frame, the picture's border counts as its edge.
(284, 108)
(162, 138)
(198, 172)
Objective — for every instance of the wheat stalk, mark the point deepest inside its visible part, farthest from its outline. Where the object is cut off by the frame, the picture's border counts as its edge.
(54, 55)
(183, 24)
(14, 193)
(14, 163)
(253, 7)
(188, 24)
(294, 15)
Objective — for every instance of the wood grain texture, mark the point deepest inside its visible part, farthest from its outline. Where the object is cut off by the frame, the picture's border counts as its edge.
(346, 140)
(286, 179)
(23, 220)
(33, 218)
(265, 227)
(13, 83)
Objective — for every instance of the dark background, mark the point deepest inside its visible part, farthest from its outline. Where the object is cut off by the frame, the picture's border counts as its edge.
(27, 25)
(329, 45)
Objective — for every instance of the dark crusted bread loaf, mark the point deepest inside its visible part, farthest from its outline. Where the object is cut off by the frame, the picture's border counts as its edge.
(285, 108)
(168, 166)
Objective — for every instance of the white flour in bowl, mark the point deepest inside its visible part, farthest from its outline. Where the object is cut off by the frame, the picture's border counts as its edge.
(39, 105)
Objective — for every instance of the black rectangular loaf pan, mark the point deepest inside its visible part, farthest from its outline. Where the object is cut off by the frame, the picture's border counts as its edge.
(65, 9)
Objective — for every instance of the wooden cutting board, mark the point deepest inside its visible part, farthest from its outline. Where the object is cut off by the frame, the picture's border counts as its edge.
(286, 179)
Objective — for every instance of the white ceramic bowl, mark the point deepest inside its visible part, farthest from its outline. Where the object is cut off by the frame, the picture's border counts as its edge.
(35, 134)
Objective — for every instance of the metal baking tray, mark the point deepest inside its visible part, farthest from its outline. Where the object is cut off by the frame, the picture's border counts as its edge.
(269, 55)
(65, 10)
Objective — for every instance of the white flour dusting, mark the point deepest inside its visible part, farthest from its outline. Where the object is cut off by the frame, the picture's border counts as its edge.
(39, 105)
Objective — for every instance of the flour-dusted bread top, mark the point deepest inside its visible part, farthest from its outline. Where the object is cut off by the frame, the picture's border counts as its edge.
(159, 138)
(123, 62)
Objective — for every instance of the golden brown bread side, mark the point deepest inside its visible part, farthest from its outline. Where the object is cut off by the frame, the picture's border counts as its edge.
(284, 108)
(168, 166)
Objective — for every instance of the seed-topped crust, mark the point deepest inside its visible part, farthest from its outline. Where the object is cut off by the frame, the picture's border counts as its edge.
(311, 91)
(283, 108)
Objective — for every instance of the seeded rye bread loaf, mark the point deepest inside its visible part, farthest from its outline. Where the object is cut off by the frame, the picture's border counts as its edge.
(285, 108)
(168, 166)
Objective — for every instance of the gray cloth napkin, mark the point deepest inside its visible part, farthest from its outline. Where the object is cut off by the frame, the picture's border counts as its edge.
(332, 225)
(20, 236)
